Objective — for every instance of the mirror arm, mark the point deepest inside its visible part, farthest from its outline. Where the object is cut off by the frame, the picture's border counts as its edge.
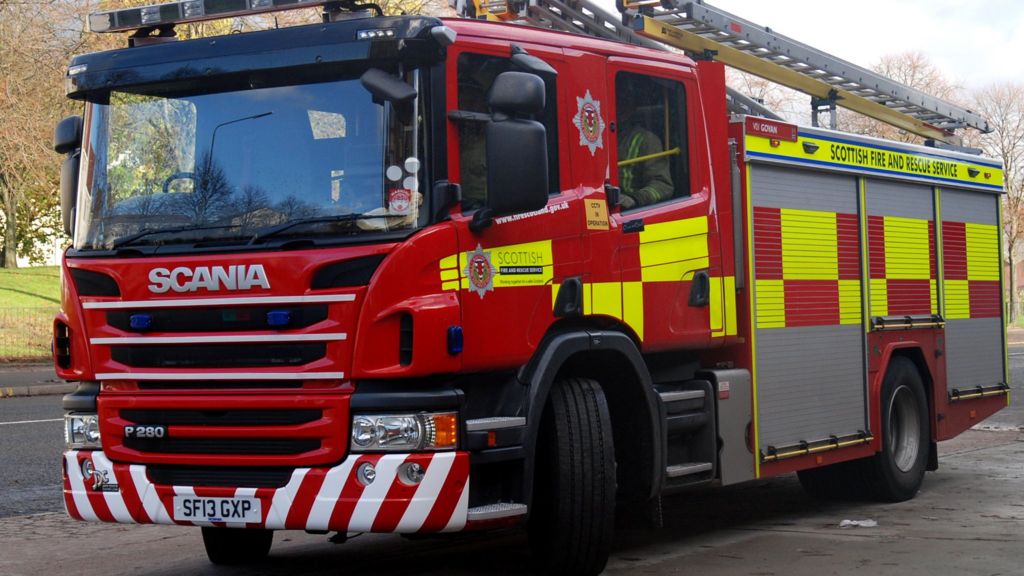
(482, 219)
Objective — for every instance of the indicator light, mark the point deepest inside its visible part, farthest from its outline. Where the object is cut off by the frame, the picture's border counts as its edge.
(455, 340)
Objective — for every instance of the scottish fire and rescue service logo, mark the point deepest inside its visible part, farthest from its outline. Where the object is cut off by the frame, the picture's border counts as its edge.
(589, 122)
(480, 271)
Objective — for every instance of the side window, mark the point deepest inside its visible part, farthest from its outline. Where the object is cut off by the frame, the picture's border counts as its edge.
(651, 119)
(476, 73)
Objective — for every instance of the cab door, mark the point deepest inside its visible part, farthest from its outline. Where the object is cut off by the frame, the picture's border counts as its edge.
(508, 272)
(671, 263)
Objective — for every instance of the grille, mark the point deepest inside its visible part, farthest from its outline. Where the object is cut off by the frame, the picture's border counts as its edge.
(222, 417)
(245, 477)
(218, 319)
(249, 446)
(219, 356)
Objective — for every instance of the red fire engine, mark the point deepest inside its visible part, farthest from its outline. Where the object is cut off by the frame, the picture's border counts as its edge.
(402, 274)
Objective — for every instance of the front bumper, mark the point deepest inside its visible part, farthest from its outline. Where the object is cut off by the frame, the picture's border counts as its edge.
(313, 499)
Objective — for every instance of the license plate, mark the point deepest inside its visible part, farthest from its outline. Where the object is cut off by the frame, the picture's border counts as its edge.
(196, 508)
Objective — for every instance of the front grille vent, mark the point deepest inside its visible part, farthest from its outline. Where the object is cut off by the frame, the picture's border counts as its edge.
(247, 446)
(222, 417)
(242, 477)
(234, 319)
(218, 356)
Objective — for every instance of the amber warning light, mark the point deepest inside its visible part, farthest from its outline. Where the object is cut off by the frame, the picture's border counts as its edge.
(771, 129)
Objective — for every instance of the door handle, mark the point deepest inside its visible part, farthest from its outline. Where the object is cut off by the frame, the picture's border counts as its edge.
(700, 290)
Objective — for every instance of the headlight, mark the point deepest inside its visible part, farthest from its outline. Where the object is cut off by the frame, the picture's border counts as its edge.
(82, 431)
(404, 432)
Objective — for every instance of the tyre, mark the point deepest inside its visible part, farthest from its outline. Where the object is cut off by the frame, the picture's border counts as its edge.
(573, 506)
(236, 545)
(895, 474)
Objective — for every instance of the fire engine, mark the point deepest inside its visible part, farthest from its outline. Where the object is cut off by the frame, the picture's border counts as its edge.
(414, 275)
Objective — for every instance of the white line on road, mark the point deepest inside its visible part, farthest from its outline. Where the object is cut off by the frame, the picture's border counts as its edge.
(31, 421)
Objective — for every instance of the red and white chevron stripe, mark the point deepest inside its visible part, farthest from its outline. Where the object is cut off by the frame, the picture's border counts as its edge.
(314, 498)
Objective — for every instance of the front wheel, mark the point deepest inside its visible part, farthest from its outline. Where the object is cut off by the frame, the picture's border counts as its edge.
(236, 545)
(573, 504)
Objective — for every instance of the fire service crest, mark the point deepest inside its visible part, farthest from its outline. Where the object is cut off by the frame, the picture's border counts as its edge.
(480, 271)
(589, 122)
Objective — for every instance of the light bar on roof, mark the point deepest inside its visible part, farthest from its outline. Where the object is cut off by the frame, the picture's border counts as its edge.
(187, 11)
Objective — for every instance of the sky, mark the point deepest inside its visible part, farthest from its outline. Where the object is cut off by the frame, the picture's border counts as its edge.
(974, 43)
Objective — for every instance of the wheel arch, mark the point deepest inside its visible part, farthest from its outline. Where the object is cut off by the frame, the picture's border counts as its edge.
(913, 352)
(612, 358)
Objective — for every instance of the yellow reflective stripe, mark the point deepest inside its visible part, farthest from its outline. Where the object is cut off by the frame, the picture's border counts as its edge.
(633, 306)
(934, 304)
(729, 294)
(722, 309)
(715, 306)
(606, 298)
(673, 251)
(674, 229)
(810, 250)
(958, 299)
(906, 249)
(982, 251)
(849, 302)
(879, 297)
(451, 274)
(770, 300)
(453, 285)
(450, 261)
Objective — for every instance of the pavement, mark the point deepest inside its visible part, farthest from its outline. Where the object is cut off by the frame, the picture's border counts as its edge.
(20, 380)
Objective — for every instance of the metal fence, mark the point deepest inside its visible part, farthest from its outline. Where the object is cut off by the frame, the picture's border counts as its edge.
(25, 333)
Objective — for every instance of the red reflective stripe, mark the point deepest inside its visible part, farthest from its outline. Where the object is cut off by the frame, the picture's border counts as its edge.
(132, 499)
(448, 499)
(876, 246)
(298, 514)
(266, 496)
(69, 500)
(811, 302)
(931, 250)
(984, 298)
(768, 243)
(342, 513)
(954, 250)
(166, 496)
(848, 246)
(908, 297)
(96, 499)
(397, 500)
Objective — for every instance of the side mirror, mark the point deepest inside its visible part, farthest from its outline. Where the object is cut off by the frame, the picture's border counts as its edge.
(517, 93)
(67, 139)
(517, 148)
(69, 190)
(67, 136)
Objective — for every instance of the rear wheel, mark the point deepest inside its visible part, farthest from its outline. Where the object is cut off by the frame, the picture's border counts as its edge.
(573, 505)
(236, 545)
(895, 474)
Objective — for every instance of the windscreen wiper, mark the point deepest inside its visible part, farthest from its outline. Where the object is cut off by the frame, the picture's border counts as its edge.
(318, 220)
(149, 232)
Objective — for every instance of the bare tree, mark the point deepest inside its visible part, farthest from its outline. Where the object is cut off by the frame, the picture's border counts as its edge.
(1003, 106)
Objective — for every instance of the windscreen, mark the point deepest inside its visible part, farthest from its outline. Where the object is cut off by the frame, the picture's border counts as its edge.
(314, 160)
